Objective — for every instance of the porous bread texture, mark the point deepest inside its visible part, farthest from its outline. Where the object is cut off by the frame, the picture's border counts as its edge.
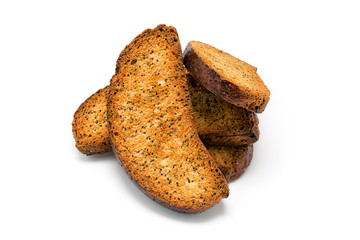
(169, 33)
(232, 161)
(217, 121)
(89, 124)
(153, 133)
(92, 137)
(228, 77)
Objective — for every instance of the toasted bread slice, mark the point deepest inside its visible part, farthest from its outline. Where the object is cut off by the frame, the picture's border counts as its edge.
(232, 161)
(89, 125)
(218, 122)
(228, 77)
(153, 133)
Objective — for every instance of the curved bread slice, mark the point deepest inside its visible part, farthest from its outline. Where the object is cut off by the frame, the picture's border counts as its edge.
(218, 122)
(153, 132)
(232, 161)
(228, 77)
(89, 125)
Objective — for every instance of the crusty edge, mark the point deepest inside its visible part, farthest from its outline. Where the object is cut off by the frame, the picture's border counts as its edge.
(212, 81)
(226, 139)
(176, 50)
(242, 164)
(176, 209)
(233, 140)
(222, 194)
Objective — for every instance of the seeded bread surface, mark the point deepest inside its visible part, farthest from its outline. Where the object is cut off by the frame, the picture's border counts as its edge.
(91, 134)
(90, 129)
(89, 124)
(153, 133)
(217, 121)
(228, 77)
(169, 33)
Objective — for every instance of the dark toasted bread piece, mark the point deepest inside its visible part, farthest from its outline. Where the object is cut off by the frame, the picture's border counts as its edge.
(218, 140)
(232, 161)
(228, 77)
(219, 122)
(153, 133)
(89, 125)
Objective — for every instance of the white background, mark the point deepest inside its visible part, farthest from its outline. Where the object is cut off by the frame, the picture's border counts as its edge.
(303, 182)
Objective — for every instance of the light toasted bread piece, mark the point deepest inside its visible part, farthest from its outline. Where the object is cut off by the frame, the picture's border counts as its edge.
(228, 77)
(169, 33)
(232, 161)
(89, 124)
(153, 133)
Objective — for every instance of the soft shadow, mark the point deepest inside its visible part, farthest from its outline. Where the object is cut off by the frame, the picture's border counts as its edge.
(213, 213)
(109, 156)
(135, 194)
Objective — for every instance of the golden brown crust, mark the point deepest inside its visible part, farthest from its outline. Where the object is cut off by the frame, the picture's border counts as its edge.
(153, 133)
(169, 33)
(89, 124)
(232, 161)
(228, 77)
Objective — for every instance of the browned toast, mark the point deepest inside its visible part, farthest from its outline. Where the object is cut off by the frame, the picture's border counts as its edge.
(90, 124)
(170, 35)
(232, 161)
(228, 77)
(152, 129)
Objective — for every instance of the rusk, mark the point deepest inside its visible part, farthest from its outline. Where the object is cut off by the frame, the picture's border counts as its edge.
(226, 76)
(152, 129)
